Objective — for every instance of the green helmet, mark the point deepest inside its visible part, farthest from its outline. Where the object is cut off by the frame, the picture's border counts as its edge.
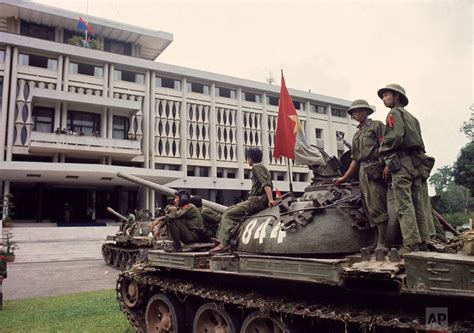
(360, 104)
(395, 88)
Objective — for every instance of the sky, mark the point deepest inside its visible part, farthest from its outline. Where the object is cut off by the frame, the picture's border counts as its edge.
(346, 49)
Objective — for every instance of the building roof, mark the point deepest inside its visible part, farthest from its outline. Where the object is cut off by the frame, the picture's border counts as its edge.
(152, 42)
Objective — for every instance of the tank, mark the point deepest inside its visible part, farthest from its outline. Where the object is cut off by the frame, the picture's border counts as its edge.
(122, 250)
(303, 266)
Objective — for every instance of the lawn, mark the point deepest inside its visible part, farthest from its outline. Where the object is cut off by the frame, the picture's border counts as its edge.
(83, 312)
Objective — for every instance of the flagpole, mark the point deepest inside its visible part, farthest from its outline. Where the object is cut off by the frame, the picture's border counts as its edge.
(290, 176)
(87, 18)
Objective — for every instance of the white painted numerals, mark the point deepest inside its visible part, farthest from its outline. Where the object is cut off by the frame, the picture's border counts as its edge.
(261, 231)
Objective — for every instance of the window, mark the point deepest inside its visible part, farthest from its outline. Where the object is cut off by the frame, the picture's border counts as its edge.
(122, 75)
(168, 83)
(35, 30)
(115, 46)
(85, 69)
(224, 92)
(120, 127)
(338, 113)
(250, 97)
(318, 108)
(43, 119)
(277, 175)
(83, 122)
(191, 171)
(37, 61)
(271, 100)
(198, 88)
(2, 55)
(298, 105)
(319, 133)
(203, 172)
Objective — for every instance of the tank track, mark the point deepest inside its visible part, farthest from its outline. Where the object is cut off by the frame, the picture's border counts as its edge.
(354, 319)
(119, 263)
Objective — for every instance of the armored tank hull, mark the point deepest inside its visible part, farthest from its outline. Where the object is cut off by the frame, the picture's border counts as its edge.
(122, 250)
(300, 268)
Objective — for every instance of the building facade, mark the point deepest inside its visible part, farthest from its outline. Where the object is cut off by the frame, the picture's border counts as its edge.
(74, 113)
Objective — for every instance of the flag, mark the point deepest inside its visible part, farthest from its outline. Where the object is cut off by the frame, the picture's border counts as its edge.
(82, 25)
(277, 193)
(290, 140)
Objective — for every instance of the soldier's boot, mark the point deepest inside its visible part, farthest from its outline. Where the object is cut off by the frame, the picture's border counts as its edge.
(381, 232)
(407, 249)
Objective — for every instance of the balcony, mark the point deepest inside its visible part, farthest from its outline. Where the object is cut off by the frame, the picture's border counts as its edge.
(83, 145)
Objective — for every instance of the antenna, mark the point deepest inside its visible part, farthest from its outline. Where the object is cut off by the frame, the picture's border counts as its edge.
(270, 79)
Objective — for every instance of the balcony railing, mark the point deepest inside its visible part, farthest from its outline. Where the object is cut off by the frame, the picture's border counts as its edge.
(83, 145)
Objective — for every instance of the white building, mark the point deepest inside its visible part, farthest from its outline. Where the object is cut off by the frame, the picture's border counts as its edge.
(124, 111)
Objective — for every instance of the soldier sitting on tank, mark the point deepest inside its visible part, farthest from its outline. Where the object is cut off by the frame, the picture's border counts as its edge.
(210, 219)
(131, 218)
(261, 197)
(365, 146)
(184, 225)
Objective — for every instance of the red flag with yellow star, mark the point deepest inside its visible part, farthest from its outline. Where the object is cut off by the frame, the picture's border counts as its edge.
(288, 125)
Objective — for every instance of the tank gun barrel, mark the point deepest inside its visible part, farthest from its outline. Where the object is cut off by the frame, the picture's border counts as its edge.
(167, 190)
(120, 216)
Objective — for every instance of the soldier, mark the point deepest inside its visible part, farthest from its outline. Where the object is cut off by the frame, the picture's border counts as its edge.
(260, 197)
(184, 225)
(404, 152)
(210, 219)
(365, 146)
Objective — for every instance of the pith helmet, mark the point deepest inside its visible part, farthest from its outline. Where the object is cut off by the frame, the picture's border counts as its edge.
(360, 104)
(395, 88)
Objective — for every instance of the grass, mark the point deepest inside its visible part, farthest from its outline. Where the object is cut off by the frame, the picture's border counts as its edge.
(82, 312)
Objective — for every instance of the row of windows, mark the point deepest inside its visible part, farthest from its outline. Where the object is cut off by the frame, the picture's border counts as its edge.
(46, 32)
(83, 123)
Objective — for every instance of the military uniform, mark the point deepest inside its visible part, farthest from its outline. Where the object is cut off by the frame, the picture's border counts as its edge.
(256, 202)
(184, 225)
(365, 145)
(211, 220)
(403, 152)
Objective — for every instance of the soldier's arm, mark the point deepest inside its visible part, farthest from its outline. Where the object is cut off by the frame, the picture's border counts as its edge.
(211, 215)
(393, 135)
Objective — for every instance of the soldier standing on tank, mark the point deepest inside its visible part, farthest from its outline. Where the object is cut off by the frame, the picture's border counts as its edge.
(404, 151)
(184, 225)
(210, 218)
(261, 196)
(365, 146)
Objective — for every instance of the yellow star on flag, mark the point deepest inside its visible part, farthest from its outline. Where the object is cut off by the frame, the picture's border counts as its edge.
(294, 118)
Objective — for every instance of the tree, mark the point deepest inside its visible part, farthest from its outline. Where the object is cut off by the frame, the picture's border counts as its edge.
(463, 169)
(441, 179)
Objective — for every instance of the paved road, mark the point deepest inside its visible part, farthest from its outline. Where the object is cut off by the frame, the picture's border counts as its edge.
(26, 280)
(54, 260)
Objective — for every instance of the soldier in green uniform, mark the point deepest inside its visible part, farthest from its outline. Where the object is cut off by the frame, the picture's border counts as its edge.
(365, 146)
(210, 218)
(404, 152)
(184, 225)
(261, 196)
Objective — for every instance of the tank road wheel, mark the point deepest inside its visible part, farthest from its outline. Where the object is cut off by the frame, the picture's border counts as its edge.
(107, 254)
(115, 258)
(130, 293)
(127, 260)
(164, 313)
(210, 318)
(258, 322)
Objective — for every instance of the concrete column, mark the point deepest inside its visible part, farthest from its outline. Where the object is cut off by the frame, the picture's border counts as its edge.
(213, 134)
(350, 128)
(55, 158)
(61, 34)
(240, 136)
(264, 125)
(60, 73)
(64, 117)
(309, 130)
(146, 134)
(183, 128)
(66, 74)
(6, 191)
(105, 77)
(110, 123)
(12, 102)
(330, 137)
(62, 158)
(4, 106)
(103, 123)
(57, 116)
(151, 134)
(111, 80)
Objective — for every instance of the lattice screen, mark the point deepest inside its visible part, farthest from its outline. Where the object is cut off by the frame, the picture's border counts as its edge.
(226, 130)
(252, 129)
(167, 124)
(198, 131)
